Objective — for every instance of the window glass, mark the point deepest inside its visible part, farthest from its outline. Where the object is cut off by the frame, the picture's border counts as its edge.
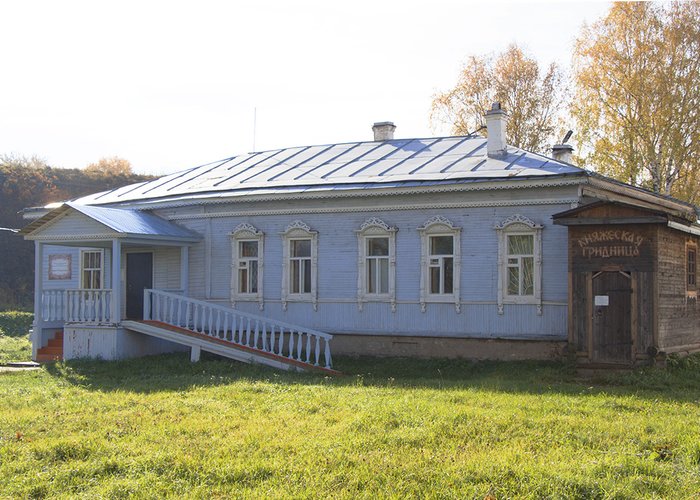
(377, 246)
(521, 264)
(300, 266)
(301, 248)
(692, 269)
(520, 244)
(441, 245)
(441, 263)
(248, 248)
(92, 269)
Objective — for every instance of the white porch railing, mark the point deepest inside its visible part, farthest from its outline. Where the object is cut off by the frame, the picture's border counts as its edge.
(77, 306)
(249, 330)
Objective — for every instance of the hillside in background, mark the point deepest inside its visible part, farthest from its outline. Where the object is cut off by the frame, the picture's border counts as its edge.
(28, 183)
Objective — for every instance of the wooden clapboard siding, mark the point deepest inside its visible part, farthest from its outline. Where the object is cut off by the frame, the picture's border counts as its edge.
(74, 224)
(440, 320)
(74, 281)
(166, 268)
(337, 269)
(678, 310)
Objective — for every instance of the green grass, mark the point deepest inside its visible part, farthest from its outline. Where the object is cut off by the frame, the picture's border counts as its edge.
(162, 427)
(14, 336)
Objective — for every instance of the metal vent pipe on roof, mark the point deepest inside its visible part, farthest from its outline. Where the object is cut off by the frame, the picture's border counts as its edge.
(383, 131)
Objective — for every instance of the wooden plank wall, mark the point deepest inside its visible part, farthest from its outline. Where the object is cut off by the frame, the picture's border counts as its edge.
(678, 309)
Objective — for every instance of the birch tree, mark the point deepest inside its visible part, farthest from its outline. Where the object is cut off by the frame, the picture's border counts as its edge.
(637, 96)
(533, 98)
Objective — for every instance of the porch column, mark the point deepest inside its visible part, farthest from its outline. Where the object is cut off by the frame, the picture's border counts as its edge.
(38, 326)
(185, 270)
(116, 280)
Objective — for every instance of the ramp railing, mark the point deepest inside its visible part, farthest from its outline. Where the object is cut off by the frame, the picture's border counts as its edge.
(237, 327)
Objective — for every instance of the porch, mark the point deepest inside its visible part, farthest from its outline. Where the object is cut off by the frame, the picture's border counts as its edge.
(93, 263)
(172, 321)
(128, 295)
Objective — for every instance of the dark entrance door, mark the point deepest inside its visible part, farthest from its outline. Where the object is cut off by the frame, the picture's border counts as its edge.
(612, 317)
(139, 275)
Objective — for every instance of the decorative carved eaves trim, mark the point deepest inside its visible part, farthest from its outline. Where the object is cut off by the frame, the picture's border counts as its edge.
(384, 208)
(435, 220)
(517, 219)
(378, 223)
(298, 225)
(246, 230)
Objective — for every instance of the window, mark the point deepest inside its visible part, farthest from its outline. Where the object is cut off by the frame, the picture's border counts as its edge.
(691, 267)
(519, 262)
(247, 267)
(299, 264)
(91, 269)
(376, 265)
(247, 272)
(440, 262)
(377, 260)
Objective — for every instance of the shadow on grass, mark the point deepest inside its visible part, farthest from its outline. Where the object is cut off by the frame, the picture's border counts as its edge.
(174, 372)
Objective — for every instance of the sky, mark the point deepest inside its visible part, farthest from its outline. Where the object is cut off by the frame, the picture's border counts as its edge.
(169, 85)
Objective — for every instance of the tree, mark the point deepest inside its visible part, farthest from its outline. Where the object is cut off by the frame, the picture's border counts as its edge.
(514, 79)
(112, 166)
(637, 101)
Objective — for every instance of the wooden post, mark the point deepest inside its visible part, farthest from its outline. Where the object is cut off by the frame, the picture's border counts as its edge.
(116, 280)
(146, 304)
(185, 270)
(195, 353)
(37, 337)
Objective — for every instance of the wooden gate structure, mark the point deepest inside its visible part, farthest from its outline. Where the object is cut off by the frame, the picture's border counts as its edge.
(632, 291)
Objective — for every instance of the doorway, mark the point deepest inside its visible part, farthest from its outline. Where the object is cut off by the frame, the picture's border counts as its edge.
(139, 276)
(612, 317)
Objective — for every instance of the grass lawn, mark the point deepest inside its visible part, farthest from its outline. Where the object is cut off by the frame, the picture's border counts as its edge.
(14, 337)
(161, 426)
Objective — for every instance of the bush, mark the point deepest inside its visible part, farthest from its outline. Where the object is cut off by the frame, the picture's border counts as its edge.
(15, 323)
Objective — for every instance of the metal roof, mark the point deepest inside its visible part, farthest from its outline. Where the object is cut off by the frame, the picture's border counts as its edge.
(132, 223)
(354, 165)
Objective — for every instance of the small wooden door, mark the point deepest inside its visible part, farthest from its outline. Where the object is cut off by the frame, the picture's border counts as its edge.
(612, 317)
(139, 276)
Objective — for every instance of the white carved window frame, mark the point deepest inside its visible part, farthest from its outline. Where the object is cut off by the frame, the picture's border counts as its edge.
(375, 228)
(519, 225)
(299, 230)
(440, 226)
(246, 232)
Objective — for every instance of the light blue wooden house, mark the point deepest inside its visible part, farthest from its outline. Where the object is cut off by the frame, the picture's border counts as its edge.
(439, 247)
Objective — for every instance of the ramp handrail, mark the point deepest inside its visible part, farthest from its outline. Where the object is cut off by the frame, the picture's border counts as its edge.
(249, 330)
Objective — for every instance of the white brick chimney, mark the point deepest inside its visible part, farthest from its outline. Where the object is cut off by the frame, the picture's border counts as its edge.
(496, 120)
(383, 131)
(562, 152)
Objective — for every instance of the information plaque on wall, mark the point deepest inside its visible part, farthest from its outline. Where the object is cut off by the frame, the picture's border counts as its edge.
(60, 266)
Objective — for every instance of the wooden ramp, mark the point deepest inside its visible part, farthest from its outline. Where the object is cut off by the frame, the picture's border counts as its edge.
(204, 342)
(238, 335)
